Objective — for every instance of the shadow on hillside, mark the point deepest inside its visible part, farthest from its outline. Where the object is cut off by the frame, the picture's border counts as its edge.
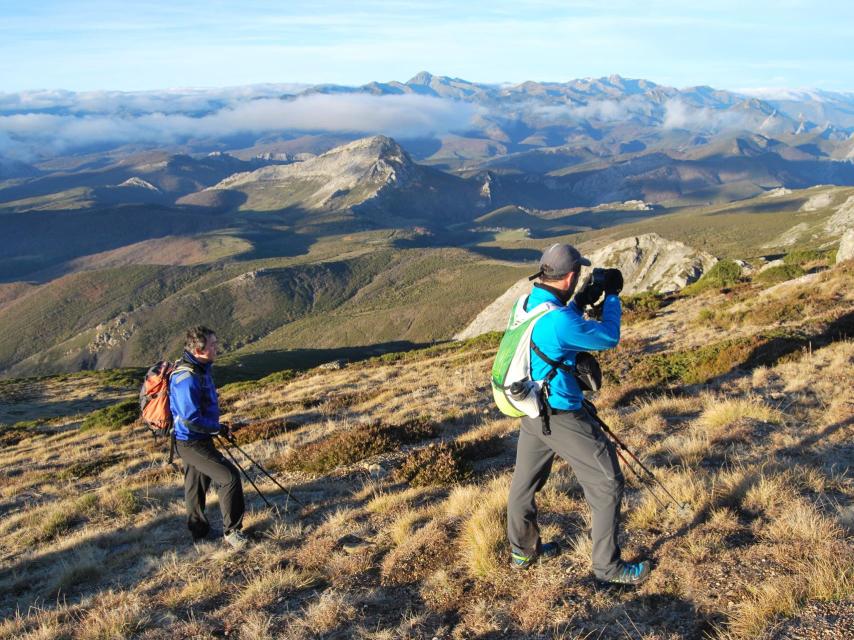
(251, 366)
(776, 349)
(113, 558)
(816, 438)
(37, 245)
(510, 255)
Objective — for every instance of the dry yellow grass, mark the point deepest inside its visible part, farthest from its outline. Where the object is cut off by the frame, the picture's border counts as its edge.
(761, 457)
(483, 542)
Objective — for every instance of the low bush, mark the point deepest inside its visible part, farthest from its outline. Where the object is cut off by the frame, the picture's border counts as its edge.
(694, 366)
(641, 306)
(724, 274)
(357, 444)
(262, 430)
(804, 257)
(780, 273)
(434, 465)
(90, 467)
(113, 417)
(12, 434)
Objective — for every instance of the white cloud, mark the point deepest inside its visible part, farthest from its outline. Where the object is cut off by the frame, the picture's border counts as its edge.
(104, 119)
(680, 115)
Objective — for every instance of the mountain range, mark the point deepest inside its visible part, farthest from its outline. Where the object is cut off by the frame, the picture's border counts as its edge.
(305, 242)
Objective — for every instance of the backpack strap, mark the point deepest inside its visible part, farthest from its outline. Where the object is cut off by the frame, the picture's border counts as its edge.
(555, 367)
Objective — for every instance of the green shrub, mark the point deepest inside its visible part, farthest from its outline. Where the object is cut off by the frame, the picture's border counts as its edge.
(12, 434)
(724, 274)
(113, 417)
(780, 273)
(89, 467)
(694, 366)
(434, 465)
(803, 256)
(345, 448)
(262, 430)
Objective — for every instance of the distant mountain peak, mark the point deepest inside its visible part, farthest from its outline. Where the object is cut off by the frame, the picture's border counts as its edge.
(422, 77)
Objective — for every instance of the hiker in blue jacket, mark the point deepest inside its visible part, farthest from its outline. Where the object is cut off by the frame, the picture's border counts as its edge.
(568, 430)
(195, 411)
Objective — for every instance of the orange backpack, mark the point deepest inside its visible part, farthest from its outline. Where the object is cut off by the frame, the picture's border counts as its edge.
(154, 399)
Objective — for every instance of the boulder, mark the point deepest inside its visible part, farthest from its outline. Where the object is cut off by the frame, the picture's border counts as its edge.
(846, 246)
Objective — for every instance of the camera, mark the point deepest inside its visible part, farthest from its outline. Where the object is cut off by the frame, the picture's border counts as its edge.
(597, 277)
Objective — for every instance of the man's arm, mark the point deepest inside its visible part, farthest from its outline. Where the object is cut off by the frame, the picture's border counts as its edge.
(592, 335)
(187, 397)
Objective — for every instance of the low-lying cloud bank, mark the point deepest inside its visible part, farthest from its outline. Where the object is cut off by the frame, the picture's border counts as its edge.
(42, 124)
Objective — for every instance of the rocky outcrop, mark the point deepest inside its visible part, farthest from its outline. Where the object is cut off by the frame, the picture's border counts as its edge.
(846, 246)
(139, 183)
(817, 201)
(842, 219)
(648, 262)
(652, 263)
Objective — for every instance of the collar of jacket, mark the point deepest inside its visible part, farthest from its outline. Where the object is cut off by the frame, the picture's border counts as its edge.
(197, 366)
(561, 296)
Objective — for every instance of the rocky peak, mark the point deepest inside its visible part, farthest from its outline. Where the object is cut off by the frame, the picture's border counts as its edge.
(422, 78)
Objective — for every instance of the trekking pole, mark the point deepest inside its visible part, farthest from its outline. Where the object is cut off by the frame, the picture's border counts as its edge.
(231, 439)
(246, 475)
(640, 479)
(591, 407)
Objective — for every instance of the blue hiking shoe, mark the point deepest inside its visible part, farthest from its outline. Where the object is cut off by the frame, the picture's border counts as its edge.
(521, 561)
(631, 573)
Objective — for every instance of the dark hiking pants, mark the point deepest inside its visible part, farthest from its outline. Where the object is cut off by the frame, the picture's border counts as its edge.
(577, 439)
(203, 463)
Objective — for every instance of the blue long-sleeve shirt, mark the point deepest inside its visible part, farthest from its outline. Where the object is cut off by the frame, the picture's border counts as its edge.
(193, 400)
(561, 334)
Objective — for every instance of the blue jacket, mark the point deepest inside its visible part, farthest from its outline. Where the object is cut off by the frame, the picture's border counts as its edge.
(561, 334)
(193, 400)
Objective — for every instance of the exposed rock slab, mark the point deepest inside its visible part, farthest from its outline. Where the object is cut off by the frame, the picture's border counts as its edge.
(652, 263)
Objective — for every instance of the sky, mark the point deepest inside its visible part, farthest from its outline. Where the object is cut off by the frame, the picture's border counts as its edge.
(153, 44)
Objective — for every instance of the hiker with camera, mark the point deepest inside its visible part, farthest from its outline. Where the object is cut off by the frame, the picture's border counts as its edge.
(553, 323)
(195, 411)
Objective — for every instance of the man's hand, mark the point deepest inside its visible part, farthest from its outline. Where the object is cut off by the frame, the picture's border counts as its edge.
(589, 293)
(613, 281)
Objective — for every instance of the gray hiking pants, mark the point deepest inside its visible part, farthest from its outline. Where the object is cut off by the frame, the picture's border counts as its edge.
(204, 463)
(576, 438)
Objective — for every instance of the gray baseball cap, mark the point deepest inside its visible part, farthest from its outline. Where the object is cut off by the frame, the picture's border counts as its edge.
(558, 260)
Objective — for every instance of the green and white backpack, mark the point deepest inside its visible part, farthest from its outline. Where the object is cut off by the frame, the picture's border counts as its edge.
(515, 393)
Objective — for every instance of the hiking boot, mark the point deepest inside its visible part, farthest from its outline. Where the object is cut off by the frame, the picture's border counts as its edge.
(631, 573)
(521, 561)
(237, 540)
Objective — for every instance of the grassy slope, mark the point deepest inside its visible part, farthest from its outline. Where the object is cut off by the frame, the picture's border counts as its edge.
(759, 452)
